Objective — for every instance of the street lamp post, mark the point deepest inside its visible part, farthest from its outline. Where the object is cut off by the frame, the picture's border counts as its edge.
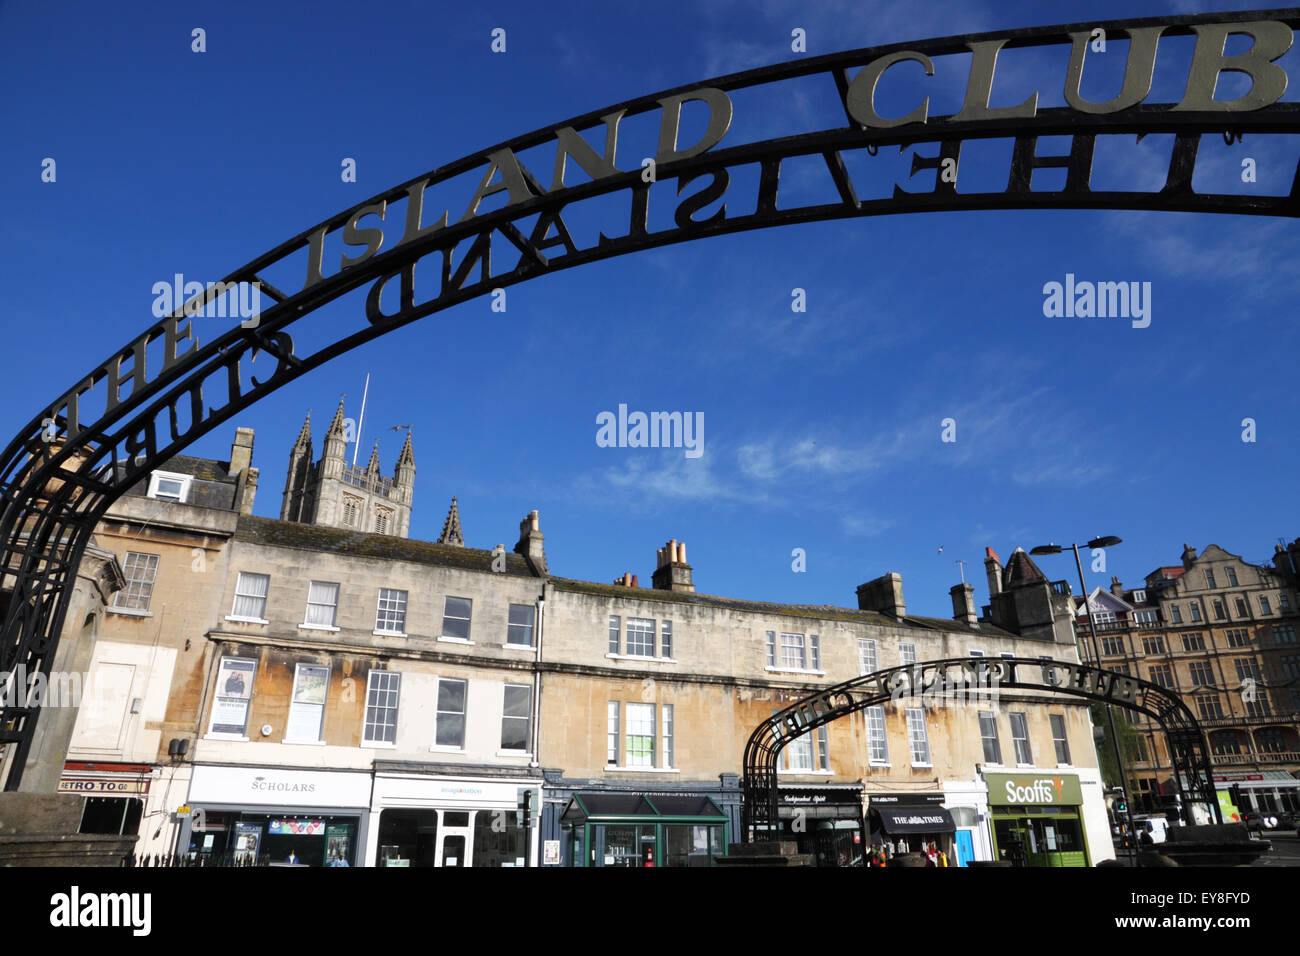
(1103, 542)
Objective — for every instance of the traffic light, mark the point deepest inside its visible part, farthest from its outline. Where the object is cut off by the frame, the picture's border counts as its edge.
(1235, 792)
(1121, 805)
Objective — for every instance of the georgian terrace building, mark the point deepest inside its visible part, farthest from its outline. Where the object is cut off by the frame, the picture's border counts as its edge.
(316, 691)
(1222, 632)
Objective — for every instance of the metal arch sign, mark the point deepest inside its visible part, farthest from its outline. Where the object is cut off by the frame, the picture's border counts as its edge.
(970, 681)
(164, 389)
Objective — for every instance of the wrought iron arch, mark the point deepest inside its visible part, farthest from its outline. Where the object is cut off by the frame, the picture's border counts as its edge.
(962, 680)
(163, 389)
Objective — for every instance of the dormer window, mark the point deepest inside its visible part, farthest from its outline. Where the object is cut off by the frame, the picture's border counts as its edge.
(169, 487)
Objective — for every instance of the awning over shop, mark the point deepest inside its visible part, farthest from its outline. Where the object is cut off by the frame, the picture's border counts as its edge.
(916, 820)
(638, 807)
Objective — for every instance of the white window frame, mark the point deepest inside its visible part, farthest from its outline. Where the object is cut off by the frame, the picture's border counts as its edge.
(147, 595)
(527, 718)
(992, 718)
(311, 625)
(463, 713)
(642, 632)
(512, 627)
(662, 738)
(185, 482)
(384, 615)
(816, 743)
(877, 736)
(906, 653)
(1060, 743)
(377, 704)
(1024, 758)
(642, 708)
(867, 656)
(295, 703)
(469, 621)
(240, 593)
(918, 734)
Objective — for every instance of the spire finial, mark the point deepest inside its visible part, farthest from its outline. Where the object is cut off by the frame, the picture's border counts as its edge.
(451, 533)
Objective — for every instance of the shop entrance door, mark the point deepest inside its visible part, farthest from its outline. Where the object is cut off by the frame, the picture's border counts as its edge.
(454, 838)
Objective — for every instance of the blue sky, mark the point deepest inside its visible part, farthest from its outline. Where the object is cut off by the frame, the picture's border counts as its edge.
(822, 428)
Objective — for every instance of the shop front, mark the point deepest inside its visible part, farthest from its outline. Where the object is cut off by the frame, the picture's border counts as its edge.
(113, 794)
(421, 816)
(913, 823)
(825, 822)
(276, 816)
(1037, 819)
(643, 830)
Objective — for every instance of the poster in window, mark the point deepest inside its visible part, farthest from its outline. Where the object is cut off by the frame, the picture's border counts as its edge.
(248, 836)
(234, 687)
(310, 688)
(338, 844)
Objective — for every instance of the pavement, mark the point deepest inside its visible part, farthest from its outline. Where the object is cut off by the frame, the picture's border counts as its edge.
(1286, 849)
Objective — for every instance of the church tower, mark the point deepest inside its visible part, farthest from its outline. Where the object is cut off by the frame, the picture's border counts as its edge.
(332, 493)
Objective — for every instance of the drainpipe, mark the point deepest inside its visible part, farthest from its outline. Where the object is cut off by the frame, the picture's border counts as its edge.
(536, 835)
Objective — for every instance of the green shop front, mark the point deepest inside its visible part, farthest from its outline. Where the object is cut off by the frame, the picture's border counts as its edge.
(650, 830)
(1037, 819)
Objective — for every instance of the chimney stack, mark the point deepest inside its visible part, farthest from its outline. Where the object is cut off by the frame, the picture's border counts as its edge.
(672, 572)
(963, 603)
(628, 580)
(1116, 588)
(993, 571)
(530, 542)
(884, 594)
(241, 460)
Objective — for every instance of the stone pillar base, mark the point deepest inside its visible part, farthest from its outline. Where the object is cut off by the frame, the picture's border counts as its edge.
(768, 853)
(40, 829)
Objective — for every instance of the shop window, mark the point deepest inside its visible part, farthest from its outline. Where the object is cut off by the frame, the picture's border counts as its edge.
(1020, 739)
(519, 629)
(390, 617)
(111, 815)
(408, 838)
(140, 571)
(1059, 740)
(250, 597)
(497, 839)
(382, 694)
(455, 619)
(918, 737)
(234, 690)
(877, 740)
(867, 656)
(989, 737)
(322, 604)
(449, 731)
(516, 717)
(307, 708)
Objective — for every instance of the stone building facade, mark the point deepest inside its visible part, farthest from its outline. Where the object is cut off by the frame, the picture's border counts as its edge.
(1221, 632)
(302, 691)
